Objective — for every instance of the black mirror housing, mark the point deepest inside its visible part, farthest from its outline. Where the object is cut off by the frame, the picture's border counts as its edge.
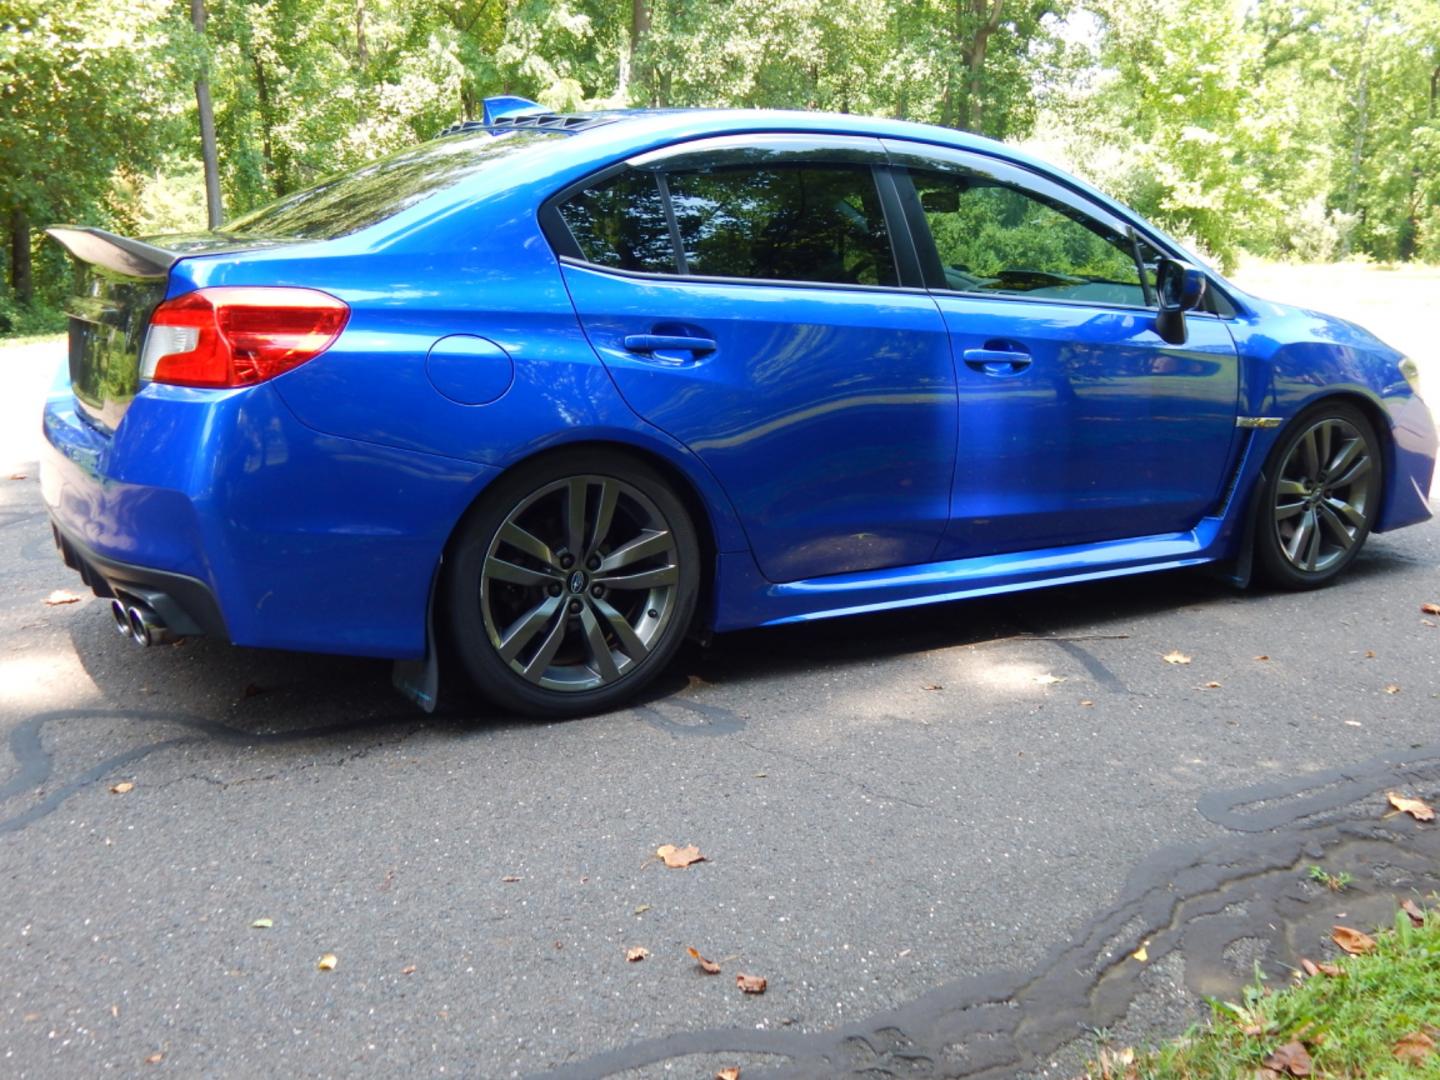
(1179, 287)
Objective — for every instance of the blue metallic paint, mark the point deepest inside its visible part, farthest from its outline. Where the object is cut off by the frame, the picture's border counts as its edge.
(317, 507)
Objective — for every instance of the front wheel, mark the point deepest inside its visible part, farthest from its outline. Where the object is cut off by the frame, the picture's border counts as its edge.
(1321, 497)
(572, 584)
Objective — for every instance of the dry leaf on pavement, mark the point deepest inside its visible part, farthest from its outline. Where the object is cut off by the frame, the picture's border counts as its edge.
(1049, 680)
(1417, 915)
(408, 969)
(1430, 609)
(1290, 1060)
(928, 686)
(750, 984)
(1416, 808)
(61, 596)
(1309, 967)
(1087, 704)
(707, 966)
(1391, 688)
(1414, 1048)
(122, 787)
(679, 858)
(1176, 657)
(1262, 656)
(732, 1073)
(21, 476)
(509, 879)
(155, 1059)
(1212, 685)
(327, 962)
(262, 924)
(1369, 654)
(1352, 941)
(638, 953)
(1333, 970)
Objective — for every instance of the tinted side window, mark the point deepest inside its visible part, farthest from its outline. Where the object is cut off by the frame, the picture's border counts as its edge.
(784, 222)
(994, 237)
(622, 223)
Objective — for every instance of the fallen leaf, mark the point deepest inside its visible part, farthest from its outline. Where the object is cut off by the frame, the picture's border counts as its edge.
(1417, 916)
(932, 686)
(1211, 686)
(1262, 656)
(707, 966)
(750, 984)
(17, 476)
(1391, 688)
(155, 1059)
(1416, 808)
(1354, 723)
(1263, 1073)
(408, 969)
(1428, 609)
(638, 953)
(1414, 1048)
(1049, 680)
(1369, 654)
(679, 858)
(61, 596)
(122, 787)
(262, 924)
(1310, 967)
(1352, 941)
(732, 1073)
(509, 879)
(640, 909)
(1176, 657)
(1087, 704)
(1141, 954)
(1429, 622)
(327, 962)
(761, 775)
(1333, 970)
(1290, 1060)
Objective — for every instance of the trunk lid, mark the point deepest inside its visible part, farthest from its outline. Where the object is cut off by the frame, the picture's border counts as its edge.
(119, 283)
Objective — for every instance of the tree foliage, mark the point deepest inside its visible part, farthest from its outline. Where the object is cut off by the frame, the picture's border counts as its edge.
(1283, 127)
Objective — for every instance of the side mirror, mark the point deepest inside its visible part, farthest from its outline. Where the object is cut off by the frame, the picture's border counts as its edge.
(1179, 287)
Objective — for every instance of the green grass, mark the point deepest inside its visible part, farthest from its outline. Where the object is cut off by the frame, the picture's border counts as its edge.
(1349, 1023)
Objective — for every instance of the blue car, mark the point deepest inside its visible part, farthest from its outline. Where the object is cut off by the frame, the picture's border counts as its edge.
(528, 404)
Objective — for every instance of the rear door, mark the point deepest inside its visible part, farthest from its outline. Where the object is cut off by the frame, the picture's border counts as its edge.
(746, 296)
(1078, 423)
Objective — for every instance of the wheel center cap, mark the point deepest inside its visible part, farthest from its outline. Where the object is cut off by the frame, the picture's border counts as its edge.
(577, 582)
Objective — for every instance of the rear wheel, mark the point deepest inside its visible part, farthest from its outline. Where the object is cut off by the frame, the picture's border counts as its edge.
(1321, 497)
(572, 584)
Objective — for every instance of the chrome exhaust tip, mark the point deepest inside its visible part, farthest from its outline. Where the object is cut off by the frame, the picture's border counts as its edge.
(121, 617)
(146, 627)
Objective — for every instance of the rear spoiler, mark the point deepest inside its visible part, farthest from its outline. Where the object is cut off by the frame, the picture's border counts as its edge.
(118, 254)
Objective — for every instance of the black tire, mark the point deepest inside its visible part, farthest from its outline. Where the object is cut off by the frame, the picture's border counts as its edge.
(576, 657)
(1339, 502)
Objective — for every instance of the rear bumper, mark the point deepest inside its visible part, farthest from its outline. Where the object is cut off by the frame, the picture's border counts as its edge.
(250, 525)
(184, 604)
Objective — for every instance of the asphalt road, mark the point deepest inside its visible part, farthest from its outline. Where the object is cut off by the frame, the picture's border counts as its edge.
(938, 835)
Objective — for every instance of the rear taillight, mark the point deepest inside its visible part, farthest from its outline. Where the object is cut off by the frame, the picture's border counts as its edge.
(239, 335)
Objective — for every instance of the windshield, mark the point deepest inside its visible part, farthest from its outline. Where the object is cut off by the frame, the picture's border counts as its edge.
(351, 201)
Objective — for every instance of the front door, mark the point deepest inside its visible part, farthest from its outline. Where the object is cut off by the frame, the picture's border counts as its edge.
(1078, 423)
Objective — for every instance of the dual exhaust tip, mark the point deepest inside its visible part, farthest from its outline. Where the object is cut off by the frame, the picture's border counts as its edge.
(138, 622)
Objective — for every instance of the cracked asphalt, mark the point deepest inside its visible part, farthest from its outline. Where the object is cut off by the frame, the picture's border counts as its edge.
(938, 835)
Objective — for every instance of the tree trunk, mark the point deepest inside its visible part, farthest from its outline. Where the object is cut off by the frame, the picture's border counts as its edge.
(267, 123)
(362, 51)
(22, 282)
(208, 152)
(970, 112)
(639, 74)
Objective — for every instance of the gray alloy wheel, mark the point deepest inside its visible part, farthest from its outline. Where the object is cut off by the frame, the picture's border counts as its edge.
(579, 582)
(1323, 497)
(571, 583)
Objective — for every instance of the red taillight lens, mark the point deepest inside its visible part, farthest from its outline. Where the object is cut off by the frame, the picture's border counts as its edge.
(239, 335)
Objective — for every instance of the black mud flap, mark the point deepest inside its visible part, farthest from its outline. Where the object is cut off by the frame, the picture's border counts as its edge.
(419, 680)
(1240, 570)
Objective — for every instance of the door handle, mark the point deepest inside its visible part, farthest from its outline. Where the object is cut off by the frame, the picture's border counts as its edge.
(653, 343)
(996, 361)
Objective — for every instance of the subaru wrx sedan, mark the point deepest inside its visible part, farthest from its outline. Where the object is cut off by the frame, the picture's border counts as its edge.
(531, 402)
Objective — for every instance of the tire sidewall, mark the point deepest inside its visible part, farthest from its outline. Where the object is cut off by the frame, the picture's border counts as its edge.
(468, 642)
(1276, 568)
